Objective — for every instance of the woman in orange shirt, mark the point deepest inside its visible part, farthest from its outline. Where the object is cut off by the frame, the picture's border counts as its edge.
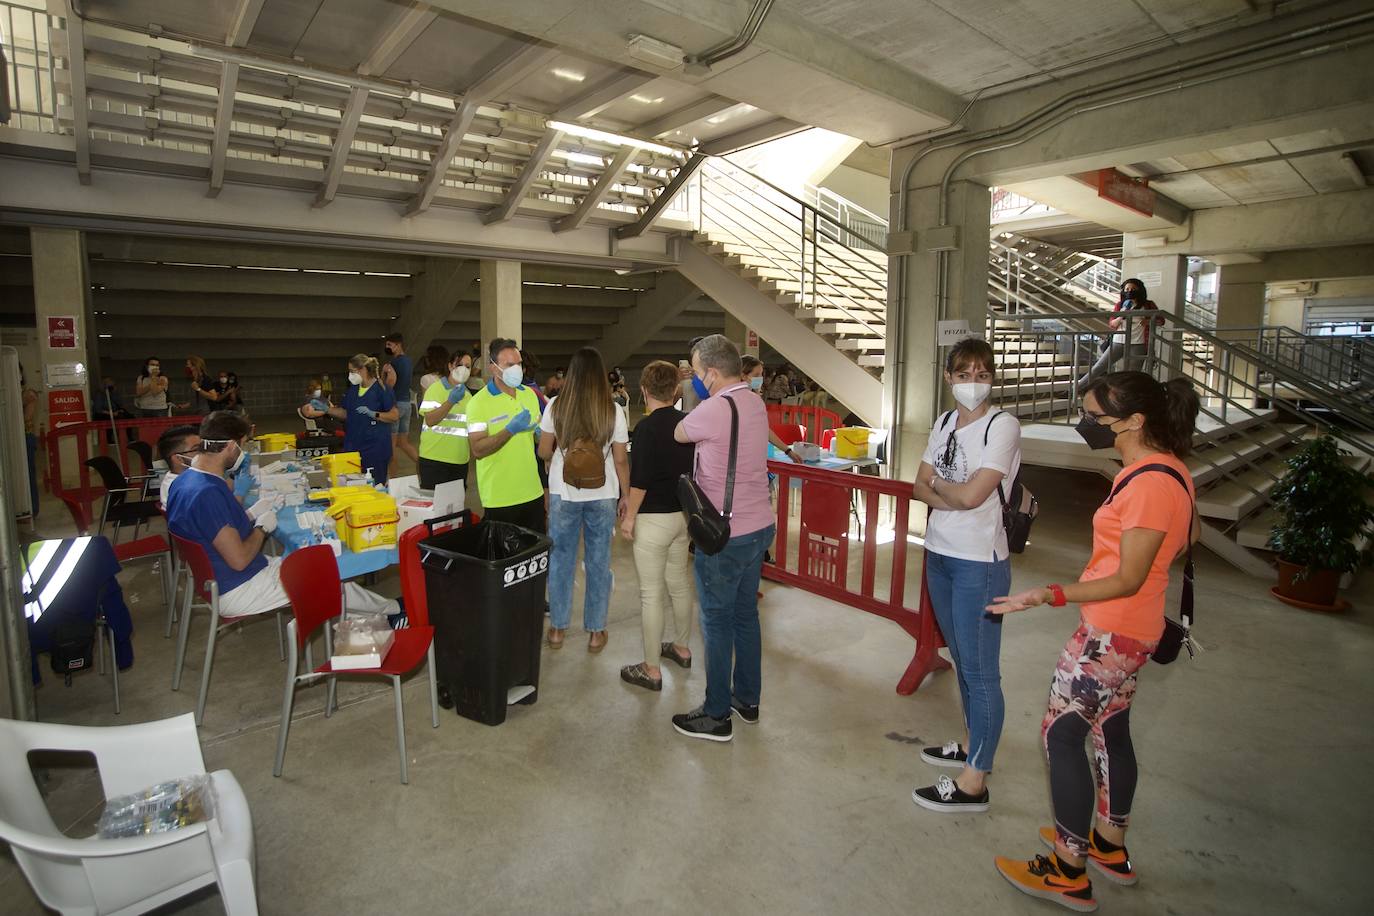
(1140, 530)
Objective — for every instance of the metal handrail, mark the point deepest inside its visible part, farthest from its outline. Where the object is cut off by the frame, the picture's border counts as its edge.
(1043, 269)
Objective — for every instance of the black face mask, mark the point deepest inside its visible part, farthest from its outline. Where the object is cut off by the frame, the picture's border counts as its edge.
(1095, 434)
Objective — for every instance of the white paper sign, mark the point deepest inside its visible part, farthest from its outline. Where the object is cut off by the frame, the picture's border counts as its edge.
(1151, 278)
(951, 332)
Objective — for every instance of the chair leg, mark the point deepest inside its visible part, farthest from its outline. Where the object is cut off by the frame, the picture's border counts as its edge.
(165, 566)
(331, 697)
(99, 650)
(114, 667)
(433, 688)
(236, 888)
(172, 597)
(281, 634)
(288, 697)
(400, 728)
(209, 661)
(182, 634)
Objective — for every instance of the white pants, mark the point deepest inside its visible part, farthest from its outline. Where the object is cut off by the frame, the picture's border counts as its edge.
(663, 565)
(264, 592)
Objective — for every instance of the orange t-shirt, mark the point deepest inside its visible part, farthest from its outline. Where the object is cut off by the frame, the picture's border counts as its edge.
(1152, 500)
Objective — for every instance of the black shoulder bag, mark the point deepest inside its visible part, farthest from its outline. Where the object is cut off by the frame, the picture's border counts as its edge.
(709, 529)
(1177, 633)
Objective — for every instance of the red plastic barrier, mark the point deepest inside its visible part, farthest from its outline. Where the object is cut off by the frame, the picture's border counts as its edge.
(823, 554)
(815, 420)
(91, 439)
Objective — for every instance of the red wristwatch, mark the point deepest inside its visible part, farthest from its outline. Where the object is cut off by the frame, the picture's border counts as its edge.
(1057, 598)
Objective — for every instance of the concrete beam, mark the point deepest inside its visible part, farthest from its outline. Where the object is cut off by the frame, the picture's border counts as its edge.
(400, 36)
(1342, 218)
(343, 144)
(119, 275)
(235, 348)
(603, 95)
(200, 251)
(751, 136)
(33, 193)
(76, 68)
(239, 327)
(584, 276)
(224, 116)
(245, 17)
(656, 309)
(529, 172)
(437, 293)
(155, 304)
(1068, 193)
(1306, 264)
(665, 197)
(597, 193)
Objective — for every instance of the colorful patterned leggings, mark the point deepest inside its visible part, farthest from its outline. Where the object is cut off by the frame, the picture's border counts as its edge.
(1094, 683)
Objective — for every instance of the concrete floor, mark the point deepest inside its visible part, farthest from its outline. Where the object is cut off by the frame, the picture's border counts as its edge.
(1254, 761)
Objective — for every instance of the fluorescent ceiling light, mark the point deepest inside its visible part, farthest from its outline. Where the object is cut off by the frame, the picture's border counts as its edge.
(581, 158)
(591, 133)
(645, 100)
(652, 51)
(571, 76)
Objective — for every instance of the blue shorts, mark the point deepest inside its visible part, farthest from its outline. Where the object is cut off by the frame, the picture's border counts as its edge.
(402, 426)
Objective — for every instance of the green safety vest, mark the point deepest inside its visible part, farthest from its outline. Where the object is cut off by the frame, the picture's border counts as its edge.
(447, 440)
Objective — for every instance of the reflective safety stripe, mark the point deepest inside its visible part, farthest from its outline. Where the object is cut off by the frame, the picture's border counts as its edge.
(34, 570)
(34, 609)
(441, 430)
(477, 427)
(427, 406)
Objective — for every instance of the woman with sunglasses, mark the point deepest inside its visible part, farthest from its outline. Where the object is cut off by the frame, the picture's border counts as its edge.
(972, 449)
(1147, 522)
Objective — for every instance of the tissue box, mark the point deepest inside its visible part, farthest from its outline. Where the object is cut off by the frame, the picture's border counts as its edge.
(361, 643)
(416, 505)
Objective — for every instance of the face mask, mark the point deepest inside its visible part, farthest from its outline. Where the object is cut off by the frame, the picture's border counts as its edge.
(354, 378)
(700, 387)
(238, 462)
(223, 380)
(316, 393)
(513, 375)
(1095, 434)
(971, 394)
(190, 373)
(460, 375)
(756, 383)
(154, 370)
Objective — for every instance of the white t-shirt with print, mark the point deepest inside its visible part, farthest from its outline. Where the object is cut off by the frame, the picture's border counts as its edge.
(608, 490)
(973, 534)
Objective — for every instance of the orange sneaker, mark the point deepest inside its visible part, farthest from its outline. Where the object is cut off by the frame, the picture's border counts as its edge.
(1116, 866)
(1040, 877)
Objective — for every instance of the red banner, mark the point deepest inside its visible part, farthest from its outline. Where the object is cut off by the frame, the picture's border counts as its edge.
(1131, 193)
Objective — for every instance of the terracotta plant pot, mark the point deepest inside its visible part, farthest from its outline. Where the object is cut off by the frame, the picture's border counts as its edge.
(1318, 590)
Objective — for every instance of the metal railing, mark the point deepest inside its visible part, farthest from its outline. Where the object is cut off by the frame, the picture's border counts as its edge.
(864, 228)
(1008, 205)
(790, 243)
(1338, 363)
(1101, 277)
(29, 67)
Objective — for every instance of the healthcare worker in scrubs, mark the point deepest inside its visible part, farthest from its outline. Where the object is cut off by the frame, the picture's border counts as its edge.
(368, 412)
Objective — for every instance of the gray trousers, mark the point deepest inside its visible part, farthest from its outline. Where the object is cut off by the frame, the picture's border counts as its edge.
(1130, 356)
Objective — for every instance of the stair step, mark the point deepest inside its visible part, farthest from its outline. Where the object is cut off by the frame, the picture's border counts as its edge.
(876, 360)
(861, 344)
(1214, 461)
(1255, 532)
(1234, 499)
(829, 313)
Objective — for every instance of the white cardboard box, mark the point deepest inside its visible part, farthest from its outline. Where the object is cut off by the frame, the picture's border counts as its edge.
(416, 505)
(373, 659)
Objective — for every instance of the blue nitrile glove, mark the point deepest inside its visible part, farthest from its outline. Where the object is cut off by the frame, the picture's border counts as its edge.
(243, 482)
(366, 411)
(456, 394)
(520, 423)
(319, 405)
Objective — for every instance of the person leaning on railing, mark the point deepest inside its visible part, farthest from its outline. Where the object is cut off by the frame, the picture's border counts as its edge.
(972, 450)
(1117, 351)
(1147, 523)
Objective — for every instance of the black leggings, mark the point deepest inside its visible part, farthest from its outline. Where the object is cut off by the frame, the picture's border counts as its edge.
(529, 515)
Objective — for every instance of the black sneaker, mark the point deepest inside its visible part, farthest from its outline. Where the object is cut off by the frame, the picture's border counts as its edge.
(946, 795)
(696, 724)
(948, 755)
(748, 714)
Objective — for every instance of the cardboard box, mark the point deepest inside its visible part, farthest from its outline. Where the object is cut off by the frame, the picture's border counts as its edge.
(416, 505)
(352, 656)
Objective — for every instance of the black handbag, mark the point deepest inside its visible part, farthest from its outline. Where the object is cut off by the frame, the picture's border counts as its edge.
(1018, 512)
(709, 529)
(1177, 633)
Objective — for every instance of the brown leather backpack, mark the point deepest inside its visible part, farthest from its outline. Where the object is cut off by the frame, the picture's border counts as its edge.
(584, 465)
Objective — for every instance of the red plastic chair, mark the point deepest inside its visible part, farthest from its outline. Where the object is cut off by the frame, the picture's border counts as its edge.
(311, 579)
(152, 547)
(789, 432)
(203, 584)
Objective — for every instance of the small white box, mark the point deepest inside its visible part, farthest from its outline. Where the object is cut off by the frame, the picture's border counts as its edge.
(354, 654)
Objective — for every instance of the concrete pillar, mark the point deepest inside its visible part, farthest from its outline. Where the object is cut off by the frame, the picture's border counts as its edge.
(964, 242)
(1240, 309)
(61, 295)
(500, 301)
(743, 336)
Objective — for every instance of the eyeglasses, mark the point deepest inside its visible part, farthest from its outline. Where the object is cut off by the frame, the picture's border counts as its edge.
(1086, 414)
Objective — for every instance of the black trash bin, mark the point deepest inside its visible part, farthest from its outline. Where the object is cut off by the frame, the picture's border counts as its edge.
(485, 587)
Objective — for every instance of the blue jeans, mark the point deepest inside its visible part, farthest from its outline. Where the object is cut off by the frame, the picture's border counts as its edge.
(593, 522)
(959, 591)
(728, 588)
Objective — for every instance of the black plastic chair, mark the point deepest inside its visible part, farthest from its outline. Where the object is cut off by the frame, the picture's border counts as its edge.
(144, 451)
(120, 508)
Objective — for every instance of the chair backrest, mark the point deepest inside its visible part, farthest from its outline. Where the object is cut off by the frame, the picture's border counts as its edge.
(145, 453)
(80, 516)
(413, 577)
(110, 474)
(311, 579)
(310, 425)
(195, 557)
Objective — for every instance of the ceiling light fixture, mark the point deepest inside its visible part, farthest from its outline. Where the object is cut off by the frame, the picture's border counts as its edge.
(652, 51)
(645, 100)
(571, 76)
(591, 133)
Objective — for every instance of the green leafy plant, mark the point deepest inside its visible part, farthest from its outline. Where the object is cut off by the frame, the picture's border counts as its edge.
(1322, 501)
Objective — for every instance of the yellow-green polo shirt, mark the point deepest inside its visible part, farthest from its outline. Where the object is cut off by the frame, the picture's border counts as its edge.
(509, 476)
(447, 440)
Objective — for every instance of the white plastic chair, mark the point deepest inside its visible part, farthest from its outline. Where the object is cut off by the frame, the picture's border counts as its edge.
(133, 874)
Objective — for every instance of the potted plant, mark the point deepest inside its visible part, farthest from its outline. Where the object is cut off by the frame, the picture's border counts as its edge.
(1324, 526)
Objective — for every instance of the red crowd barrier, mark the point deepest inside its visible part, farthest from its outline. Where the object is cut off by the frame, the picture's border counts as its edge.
(815, 420)
(823, 544)
(93, 438)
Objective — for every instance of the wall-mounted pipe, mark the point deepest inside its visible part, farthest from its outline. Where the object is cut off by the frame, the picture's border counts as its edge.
(700, 64)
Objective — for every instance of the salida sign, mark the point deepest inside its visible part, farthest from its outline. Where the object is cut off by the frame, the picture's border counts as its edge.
(66, 406)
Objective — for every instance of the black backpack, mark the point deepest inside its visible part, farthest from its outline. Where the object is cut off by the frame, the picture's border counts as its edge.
(1020, 508)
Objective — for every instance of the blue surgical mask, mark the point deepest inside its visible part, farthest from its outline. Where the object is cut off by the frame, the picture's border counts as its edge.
(756, 383)
(513, 376)
(700, 387)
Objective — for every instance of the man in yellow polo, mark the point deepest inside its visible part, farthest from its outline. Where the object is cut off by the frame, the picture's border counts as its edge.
(502, 421)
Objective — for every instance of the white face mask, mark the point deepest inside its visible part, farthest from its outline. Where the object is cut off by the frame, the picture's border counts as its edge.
(460, 375)
(355, 378)
(154, 370)
(971, 394)
(513, 376)
(317, 393)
